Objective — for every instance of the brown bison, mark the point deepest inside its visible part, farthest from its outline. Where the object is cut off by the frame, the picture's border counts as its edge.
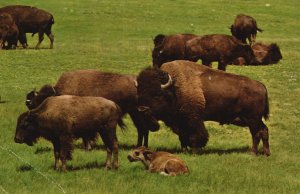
(159, 162)
(9, 31)
(245, 27)
(218, 47)
(116, 87)
(184, 94)
(31, 20)
(59, 119)
(265, 54)
(169, 48)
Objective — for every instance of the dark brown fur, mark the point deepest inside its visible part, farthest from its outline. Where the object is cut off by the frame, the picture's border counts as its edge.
(265, 54)
(9, 31)
(59, 119)
(169, 48)
(116, 87)
(199, 94)
(218, 47)
(245, 27)
(31, 20)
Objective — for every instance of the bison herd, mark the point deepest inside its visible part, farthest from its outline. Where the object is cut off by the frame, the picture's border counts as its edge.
(176, 90)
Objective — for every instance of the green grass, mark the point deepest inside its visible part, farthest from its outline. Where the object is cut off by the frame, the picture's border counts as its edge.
(116, 36)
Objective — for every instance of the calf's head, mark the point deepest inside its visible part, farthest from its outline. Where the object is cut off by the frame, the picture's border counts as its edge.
(26, 129)
(140, 154)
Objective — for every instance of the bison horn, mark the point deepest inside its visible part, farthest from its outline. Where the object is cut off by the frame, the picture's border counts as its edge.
(135, 83)
(164, 86)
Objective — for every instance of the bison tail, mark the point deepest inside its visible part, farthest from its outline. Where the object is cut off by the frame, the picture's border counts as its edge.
(120, 121)
(267, 108)
(52, 20)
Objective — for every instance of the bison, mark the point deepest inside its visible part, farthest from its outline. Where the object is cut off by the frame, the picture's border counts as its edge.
(218, 47)
(59, 119)
(31, 20)
(9, 31)
(116, 87)
(169, 48)
(161, 162)
(184, 94)
(265, 54)
(245, 27)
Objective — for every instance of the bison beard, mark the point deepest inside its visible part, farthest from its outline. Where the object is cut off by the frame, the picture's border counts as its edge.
(195, 94)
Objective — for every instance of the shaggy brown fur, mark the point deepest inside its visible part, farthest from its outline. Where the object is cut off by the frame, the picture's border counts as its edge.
(159, 162)
(31, 20)
(62, 118)
(265, 54)
(116, 87)
(245, 27)
(218, 47)
(9, 31)
(228, 99)
(169, 47)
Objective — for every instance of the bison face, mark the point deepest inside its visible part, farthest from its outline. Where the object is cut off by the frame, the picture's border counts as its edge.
(275, 54)
(154, 92)
(25, 131)
(34, 98)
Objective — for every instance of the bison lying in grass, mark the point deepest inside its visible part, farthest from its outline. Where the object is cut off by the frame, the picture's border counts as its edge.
(62, 118)
(184, 94)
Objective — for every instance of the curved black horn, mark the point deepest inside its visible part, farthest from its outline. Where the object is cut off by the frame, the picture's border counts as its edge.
(164, 86)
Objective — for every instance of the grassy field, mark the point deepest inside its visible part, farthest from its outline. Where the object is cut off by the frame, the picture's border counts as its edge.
(116, 36)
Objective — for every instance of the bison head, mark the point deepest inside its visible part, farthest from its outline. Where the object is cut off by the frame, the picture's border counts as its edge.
(158, 57)
(274, 53)
(34, 98)
(25, 130)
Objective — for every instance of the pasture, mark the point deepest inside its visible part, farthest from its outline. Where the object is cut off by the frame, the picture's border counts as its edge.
(116, 36)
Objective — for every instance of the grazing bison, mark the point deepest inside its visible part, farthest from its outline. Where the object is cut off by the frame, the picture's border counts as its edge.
(9, 31)
(218, 47)
(160, 162)
(265, 54)
(59, 119)
(31, 20)
(169, 48)
(184, 94)
(245, 27)
(116, 87)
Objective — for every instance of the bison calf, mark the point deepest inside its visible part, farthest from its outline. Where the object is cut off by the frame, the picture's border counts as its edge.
(9, 31)
(61, 119)
(161, 162)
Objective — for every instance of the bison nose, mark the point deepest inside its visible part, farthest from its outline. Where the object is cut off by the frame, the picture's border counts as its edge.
(17, 140)
(143, 108)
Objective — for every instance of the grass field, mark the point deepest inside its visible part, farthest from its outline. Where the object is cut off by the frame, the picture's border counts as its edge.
(116, 36)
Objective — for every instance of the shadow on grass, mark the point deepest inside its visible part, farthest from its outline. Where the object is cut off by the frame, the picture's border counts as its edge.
(218, 151)
(25, 168)
(87, 166)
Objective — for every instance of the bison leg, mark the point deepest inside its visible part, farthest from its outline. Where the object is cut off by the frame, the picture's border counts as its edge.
(259, 131)
(66, 143)
(222, 65)
(264, 134)
(56, 146)
(41, 38)
(108, 136)
(86, 144)
(23, 39)
(140, 129)
(51, 37)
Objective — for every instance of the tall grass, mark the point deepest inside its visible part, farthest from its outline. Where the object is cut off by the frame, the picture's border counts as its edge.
(116, 36)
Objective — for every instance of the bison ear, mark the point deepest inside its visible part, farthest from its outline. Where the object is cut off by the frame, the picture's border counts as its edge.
(147, 154)
(48, 90)
(158, 40)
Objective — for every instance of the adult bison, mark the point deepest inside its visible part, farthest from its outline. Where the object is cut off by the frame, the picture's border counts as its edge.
(116, 87)
(184, 94)
(265, 54)
(31, 20)
(245, 27)
(169, 48)
(59, 119)
(218, 47)
(9, 31)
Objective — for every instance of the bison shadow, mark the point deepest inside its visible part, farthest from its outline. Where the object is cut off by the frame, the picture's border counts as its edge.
(87, 166)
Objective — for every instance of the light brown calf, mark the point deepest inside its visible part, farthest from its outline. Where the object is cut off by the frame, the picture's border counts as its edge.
(162, 162)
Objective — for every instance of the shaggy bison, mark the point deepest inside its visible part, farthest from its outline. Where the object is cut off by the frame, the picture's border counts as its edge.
(184, 94)
(265, 54)
(218, 47)
(9, 31)
(116, 87)
(161, 162)
(245, 27)
(31, 20)
(169, 48)
(59, 119)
